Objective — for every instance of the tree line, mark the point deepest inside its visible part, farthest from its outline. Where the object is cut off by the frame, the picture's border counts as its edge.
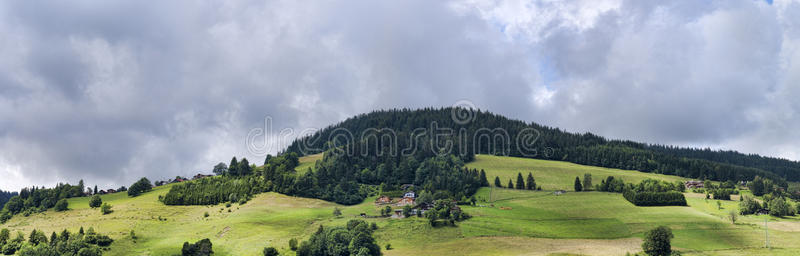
(550, 143)
(648, 192)
(337, 177)
(355, 238)
(34, 199)
(5, 195)
(89, 243)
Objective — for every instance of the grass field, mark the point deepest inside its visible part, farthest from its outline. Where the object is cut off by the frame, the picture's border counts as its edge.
(553, 175)
(533, 222)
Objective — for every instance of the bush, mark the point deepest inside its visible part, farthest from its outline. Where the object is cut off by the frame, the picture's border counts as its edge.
(337, 212)
(270, 251)
(657, 242)
(293, 244)
(200, 248)
(62, 205)
(106, 208)
(95, 201)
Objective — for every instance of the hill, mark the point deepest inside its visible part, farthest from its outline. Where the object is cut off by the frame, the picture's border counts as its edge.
(533, 222)
(487, 133)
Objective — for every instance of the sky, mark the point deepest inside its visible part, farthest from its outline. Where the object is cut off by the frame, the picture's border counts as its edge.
(111, 91)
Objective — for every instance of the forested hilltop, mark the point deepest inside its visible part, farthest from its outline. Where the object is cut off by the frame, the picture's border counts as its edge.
(414, 129)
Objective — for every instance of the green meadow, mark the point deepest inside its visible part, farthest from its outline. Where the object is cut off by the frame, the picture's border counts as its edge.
(505, 221)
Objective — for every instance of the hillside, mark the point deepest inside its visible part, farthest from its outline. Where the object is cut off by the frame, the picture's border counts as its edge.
(532, 140)
(538, 222)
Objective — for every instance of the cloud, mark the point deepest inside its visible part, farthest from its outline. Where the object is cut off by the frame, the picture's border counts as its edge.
(113, 91)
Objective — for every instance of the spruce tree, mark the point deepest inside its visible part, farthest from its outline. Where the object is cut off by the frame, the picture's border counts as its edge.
(233, 168)
(520, 182)
(578, 186)
(530, 184)
(497, 182)
(484, 181)
(510, 184)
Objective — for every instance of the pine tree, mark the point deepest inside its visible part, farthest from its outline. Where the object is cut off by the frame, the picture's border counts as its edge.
(578, 186)
(530, 184)
(233, 168)
(244, 167)
(484, 181)
(510, 184)
(520, 182)
(95, 190)
(497, 182)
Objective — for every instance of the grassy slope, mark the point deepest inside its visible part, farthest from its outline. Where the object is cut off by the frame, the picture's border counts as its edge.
(553, 174)
(538, 223)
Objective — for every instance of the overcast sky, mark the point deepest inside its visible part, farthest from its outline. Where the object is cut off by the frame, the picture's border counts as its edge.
(110, 91)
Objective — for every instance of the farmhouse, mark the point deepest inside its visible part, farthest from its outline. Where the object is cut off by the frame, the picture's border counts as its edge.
(408, 199)
(200, 176)
(383, 200)
(693, 184)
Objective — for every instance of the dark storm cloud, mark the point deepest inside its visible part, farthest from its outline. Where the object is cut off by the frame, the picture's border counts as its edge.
(116, 90)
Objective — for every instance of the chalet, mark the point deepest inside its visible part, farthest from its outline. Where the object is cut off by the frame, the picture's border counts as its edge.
(693, 184)
(111, 191)
(383, 200)
(200, 176)
(179, 180)
(406, 201)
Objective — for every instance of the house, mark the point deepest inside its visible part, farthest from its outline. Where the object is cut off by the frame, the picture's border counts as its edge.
(111, 191)
(102, 192)
(179, 180)
(406, 201)
(559, 192)
(383, 200)
(693, 184)
(200, 176)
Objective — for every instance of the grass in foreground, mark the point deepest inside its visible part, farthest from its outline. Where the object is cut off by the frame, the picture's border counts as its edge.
(538, 222)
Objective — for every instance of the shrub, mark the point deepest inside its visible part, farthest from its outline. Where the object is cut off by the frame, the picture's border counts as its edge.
(95, 201)
(270, 251)
(293, 244)
(388, 247)
(205, 215)
(62, 205)
(337, 212)
(106, 208)
(200, 248)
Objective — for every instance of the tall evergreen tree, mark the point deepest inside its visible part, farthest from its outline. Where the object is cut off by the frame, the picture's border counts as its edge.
(520, 182)
(510, 184)
(530, 184)
(578, 186)
(244, 167)
(95, 190)
(233, 168)
(484, 181)
(497, 182)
